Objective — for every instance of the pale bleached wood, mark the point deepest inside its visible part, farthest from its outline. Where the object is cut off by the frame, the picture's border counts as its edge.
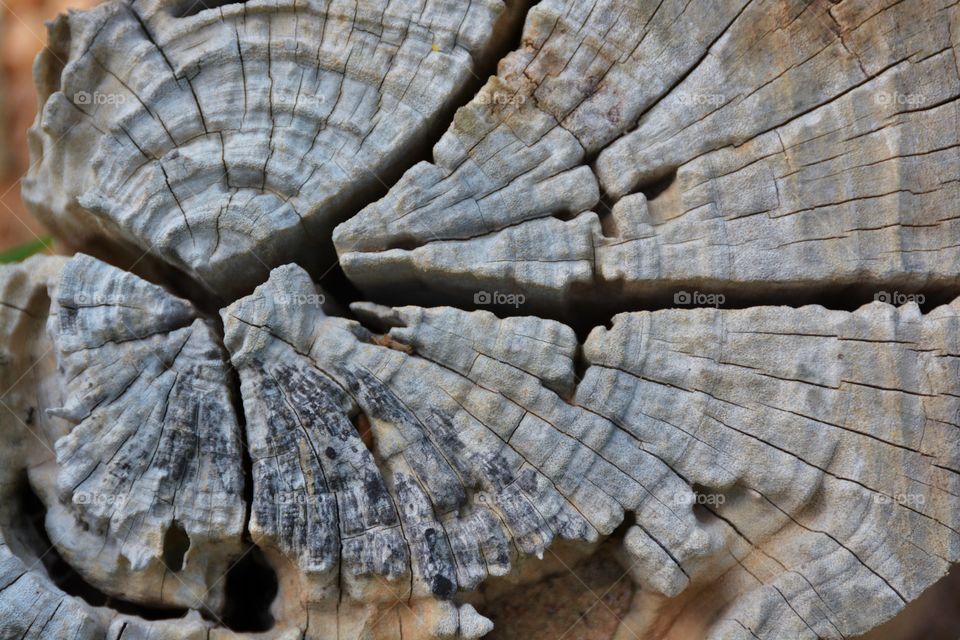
(773, 471)
(118, 414)
(474, 463)
(154, 443)
(822, 445)
(227, 141)
(814, 145)
(831, 437)
(28, 599)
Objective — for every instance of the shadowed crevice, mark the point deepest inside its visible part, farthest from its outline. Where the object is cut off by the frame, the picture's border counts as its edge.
(362, 424)
(193, 7)
(251, 587)
(176, 543)
(656, 187)
(31, 534)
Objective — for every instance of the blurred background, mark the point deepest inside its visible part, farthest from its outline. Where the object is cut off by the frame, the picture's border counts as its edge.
(22, 36)
(936, 615)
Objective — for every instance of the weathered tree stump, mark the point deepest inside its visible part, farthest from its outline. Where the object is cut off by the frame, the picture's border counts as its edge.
(638, 291)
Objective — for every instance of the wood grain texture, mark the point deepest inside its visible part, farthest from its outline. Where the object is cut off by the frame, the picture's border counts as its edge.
(762, 472)
(797, 459)
(786, 147)
(154, 443)
(223, 140)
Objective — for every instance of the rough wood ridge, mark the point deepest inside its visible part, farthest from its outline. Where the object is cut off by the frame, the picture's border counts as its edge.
(457, 416)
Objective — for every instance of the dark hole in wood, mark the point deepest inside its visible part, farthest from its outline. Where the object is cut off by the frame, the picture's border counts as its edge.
(251, 587)
(176, 543)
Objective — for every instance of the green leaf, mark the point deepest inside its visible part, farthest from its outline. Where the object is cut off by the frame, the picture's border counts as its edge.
(24, 251)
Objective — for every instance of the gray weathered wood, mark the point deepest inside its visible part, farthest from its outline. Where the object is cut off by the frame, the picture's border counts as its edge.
(815, 445)
(226, 141)
(814, 145)
(765, 472)
(154, 443)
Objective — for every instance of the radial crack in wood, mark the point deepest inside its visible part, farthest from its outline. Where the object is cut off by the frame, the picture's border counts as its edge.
(228, 140)
(765, 459)
(788, 149)
(155, 445)
(458, 486)
(760, 452)
(32, 605)
(126, 429)
(377, 472)
(823, 444)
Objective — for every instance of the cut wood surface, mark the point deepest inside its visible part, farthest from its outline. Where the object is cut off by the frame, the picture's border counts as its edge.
(224, 141)
(758, 147)
(582, 323)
